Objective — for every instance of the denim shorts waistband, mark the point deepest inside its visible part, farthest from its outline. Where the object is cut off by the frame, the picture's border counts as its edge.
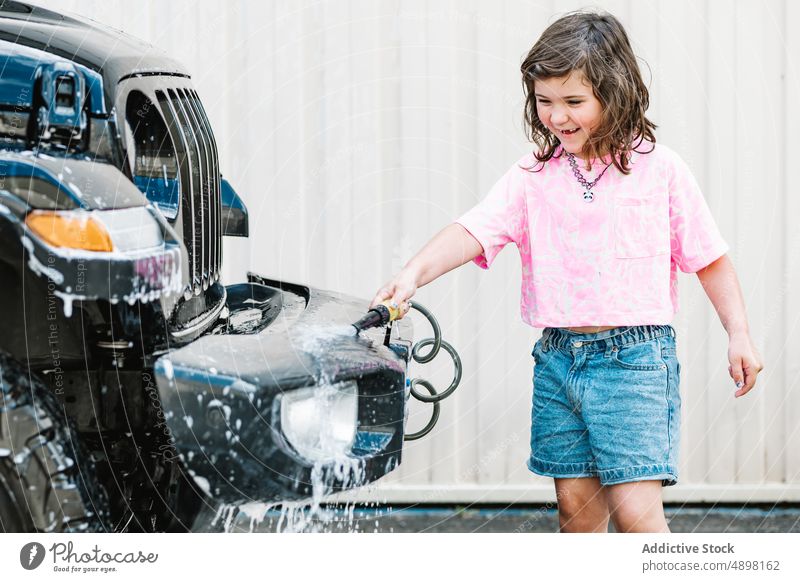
(619, 336)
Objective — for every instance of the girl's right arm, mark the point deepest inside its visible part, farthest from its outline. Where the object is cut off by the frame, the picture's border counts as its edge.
(450, 248)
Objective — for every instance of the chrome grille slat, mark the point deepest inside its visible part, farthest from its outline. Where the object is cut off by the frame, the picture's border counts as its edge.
(216, 198)
(182, 150)
(196, 191)
(201, 192)
(208, 189)
(203, 171)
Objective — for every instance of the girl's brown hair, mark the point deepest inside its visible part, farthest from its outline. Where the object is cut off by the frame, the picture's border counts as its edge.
(596, 44)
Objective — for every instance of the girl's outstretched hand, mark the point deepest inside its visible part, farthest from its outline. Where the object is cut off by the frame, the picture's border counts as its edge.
(745, 362)
(398, 291)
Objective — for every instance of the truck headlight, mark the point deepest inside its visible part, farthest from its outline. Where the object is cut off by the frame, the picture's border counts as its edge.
(320, 422)
(127, 229)
(70, 229)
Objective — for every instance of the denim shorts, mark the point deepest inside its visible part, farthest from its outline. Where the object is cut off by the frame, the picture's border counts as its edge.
(606, 405)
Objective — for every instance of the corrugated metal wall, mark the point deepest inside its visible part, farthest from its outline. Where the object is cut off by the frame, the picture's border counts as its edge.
(357, 129)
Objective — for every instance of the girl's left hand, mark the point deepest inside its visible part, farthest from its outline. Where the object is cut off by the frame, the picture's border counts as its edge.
(745, 362)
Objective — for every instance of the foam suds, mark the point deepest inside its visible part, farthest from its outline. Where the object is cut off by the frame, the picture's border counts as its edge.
(328, 348)
(314, 516)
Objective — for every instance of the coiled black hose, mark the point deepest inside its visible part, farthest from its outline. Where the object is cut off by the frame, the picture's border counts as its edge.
(433, 397)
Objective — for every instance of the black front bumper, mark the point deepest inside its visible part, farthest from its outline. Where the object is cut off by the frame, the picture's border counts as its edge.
(221, 393)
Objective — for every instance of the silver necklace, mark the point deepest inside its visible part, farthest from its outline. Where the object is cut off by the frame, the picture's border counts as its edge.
(588, 195)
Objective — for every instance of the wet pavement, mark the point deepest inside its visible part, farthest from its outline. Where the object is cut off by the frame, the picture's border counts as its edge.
(386, 519)
(515, 520)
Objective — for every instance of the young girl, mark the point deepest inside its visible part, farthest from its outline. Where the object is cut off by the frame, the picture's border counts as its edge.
(602, 216)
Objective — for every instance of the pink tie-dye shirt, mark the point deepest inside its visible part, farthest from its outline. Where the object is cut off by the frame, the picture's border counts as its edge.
(612, 261)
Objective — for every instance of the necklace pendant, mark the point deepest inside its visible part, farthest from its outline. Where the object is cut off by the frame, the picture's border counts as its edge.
(588, 196)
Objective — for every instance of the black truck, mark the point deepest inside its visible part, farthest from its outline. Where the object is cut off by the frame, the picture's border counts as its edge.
(135, 387)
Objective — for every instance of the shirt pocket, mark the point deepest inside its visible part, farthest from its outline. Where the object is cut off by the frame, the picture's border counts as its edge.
(641, 226)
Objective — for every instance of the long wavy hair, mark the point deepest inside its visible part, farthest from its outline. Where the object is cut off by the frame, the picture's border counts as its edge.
(594, 43)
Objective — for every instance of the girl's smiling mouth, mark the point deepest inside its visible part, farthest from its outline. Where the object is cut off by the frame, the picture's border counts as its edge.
(569, 131)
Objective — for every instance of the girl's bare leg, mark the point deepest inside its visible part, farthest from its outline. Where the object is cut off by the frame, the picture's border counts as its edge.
(637, 507)
(582, 505)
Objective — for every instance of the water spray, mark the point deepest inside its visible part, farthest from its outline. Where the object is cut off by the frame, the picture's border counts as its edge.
(384, 314)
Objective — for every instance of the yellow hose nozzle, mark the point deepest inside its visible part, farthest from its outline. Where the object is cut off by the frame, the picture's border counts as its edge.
(394, 311)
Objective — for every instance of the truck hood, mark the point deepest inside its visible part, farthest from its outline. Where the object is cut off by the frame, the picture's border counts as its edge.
(112, 54)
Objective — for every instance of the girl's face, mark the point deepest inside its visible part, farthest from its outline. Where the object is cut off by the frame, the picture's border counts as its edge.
(568, 108)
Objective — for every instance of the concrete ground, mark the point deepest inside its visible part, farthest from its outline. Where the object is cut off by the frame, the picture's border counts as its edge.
(533, 520)
(384, 519)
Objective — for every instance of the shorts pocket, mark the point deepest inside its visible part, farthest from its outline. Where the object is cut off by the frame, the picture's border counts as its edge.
(670, 358)
(643, 356)
(641, 226)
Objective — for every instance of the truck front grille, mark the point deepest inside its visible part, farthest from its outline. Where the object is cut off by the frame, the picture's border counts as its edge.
(198, 164)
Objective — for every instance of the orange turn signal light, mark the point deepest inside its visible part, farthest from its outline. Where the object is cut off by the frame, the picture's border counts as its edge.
(69, 230)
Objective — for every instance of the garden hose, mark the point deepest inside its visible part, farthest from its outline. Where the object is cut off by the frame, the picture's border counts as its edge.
(384, 314)
(433, 397)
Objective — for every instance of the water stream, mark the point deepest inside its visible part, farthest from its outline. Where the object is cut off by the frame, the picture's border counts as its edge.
(328, 346)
